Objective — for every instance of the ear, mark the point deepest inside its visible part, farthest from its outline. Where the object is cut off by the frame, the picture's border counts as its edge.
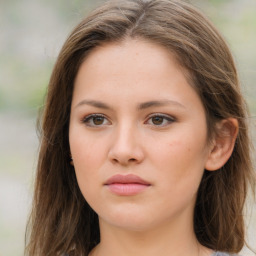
(223, 144)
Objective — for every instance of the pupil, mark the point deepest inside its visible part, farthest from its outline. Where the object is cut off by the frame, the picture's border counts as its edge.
(157, 120)
(98, 120)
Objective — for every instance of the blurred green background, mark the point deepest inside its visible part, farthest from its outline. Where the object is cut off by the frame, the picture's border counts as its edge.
(31, 34)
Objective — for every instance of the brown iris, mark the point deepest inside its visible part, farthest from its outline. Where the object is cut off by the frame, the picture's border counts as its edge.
(157, 120)
(98, 120)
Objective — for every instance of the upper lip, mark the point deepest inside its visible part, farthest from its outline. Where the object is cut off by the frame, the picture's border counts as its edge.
(126, 179)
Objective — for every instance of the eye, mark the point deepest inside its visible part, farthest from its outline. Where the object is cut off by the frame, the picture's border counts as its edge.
(95, 120)
(160, 120)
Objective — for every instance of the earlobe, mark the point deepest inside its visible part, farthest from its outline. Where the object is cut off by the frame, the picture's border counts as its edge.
(223, 144)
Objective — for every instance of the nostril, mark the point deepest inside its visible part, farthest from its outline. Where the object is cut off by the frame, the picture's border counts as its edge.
(131, 160)
(115, 160)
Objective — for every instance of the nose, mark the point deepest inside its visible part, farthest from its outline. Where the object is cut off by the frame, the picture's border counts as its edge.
(126, 147)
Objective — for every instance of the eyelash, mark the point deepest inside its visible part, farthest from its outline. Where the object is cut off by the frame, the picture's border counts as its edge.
(88, 119)
(166, 118)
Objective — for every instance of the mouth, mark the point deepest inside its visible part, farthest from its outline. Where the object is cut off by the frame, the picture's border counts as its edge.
(126, 185)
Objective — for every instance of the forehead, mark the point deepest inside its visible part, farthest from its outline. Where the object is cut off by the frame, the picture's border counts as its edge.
(132, 69)
(141, 50)
(129, 57)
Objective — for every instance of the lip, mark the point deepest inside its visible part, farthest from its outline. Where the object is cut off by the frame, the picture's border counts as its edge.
(126, 185)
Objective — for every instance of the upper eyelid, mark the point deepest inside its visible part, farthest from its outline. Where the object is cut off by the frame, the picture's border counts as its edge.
(169, 119)
(93, 115)
(162, 115)
(87, 117)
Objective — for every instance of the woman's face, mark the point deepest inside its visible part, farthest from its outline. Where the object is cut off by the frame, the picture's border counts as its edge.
(138, 136)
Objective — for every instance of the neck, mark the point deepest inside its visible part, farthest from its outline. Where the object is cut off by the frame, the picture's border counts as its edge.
(172, 239)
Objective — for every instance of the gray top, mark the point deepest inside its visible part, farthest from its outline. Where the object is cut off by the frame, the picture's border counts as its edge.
(223, 254)
(214, 254)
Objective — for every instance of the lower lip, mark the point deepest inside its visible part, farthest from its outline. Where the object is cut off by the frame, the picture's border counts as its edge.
(127, 189)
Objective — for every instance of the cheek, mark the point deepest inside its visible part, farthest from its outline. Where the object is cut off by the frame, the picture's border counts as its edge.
(86, 165)
(87, 152)
(182, 165)
(179, 147)
(181, 158)
(87, 157)
(179, 151)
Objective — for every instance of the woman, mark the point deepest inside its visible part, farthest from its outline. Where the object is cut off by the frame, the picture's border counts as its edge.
(145, 146)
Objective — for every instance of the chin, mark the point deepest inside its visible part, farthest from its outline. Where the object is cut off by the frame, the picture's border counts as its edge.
(131, 221)
(133, 225)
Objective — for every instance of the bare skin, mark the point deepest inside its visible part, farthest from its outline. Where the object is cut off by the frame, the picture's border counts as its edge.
(134, 113)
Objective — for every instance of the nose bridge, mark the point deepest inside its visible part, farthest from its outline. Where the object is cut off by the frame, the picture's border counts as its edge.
(126, 134)
(126, 146)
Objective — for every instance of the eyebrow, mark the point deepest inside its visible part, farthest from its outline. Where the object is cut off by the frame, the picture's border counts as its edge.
(141, 106)
(94, 103)
(159, 103)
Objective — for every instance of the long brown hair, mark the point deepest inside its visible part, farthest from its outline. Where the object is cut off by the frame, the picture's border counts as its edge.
(61, 220)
